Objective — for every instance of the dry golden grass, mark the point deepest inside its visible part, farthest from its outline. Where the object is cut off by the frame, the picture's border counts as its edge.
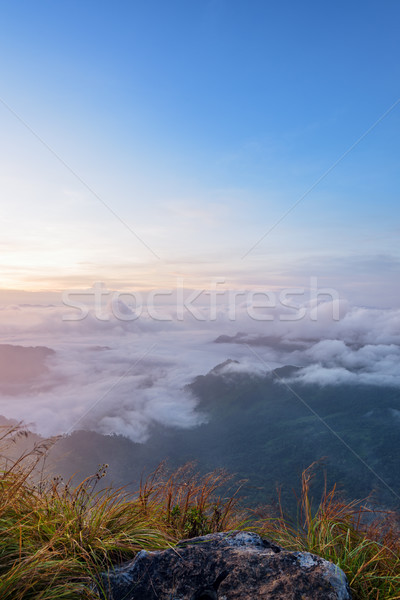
(56, 538)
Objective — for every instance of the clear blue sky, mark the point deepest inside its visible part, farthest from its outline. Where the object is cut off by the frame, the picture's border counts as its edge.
(200, 124)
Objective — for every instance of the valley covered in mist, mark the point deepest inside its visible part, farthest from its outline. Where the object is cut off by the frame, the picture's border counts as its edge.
(262, 399)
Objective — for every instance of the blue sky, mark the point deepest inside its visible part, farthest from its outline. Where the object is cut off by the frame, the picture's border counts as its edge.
(200, 124)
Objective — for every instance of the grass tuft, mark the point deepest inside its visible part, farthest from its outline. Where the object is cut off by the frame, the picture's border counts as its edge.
(362, 541)
(56, 538)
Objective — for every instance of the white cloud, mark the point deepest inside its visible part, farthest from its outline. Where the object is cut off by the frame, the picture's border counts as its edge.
(124, 376)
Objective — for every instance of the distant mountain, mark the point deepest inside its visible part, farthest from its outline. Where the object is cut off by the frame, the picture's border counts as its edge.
(266, 432)
(20, 366)
(222, 366)
(275, 342)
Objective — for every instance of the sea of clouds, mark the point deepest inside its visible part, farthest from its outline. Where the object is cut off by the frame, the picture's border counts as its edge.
(116, 372)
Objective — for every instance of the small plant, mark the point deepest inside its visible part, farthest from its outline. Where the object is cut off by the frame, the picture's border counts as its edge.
(186, 504)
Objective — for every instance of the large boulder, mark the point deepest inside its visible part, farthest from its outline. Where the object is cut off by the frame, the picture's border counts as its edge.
(226, 566)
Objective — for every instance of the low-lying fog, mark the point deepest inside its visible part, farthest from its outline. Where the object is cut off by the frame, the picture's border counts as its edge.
(119, 374)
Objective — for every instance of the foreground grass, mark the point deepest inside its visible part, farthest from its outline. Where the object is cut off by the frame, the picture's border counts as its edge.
(56, 538)
(363, 542)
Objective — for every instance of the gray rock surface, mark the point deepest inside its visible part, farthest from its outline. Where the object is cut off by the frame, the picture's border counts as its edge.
(227, 566)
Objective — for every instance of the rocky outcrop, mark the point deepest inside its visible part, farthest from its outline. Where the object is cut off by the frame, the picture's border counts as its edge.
(227, 566)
